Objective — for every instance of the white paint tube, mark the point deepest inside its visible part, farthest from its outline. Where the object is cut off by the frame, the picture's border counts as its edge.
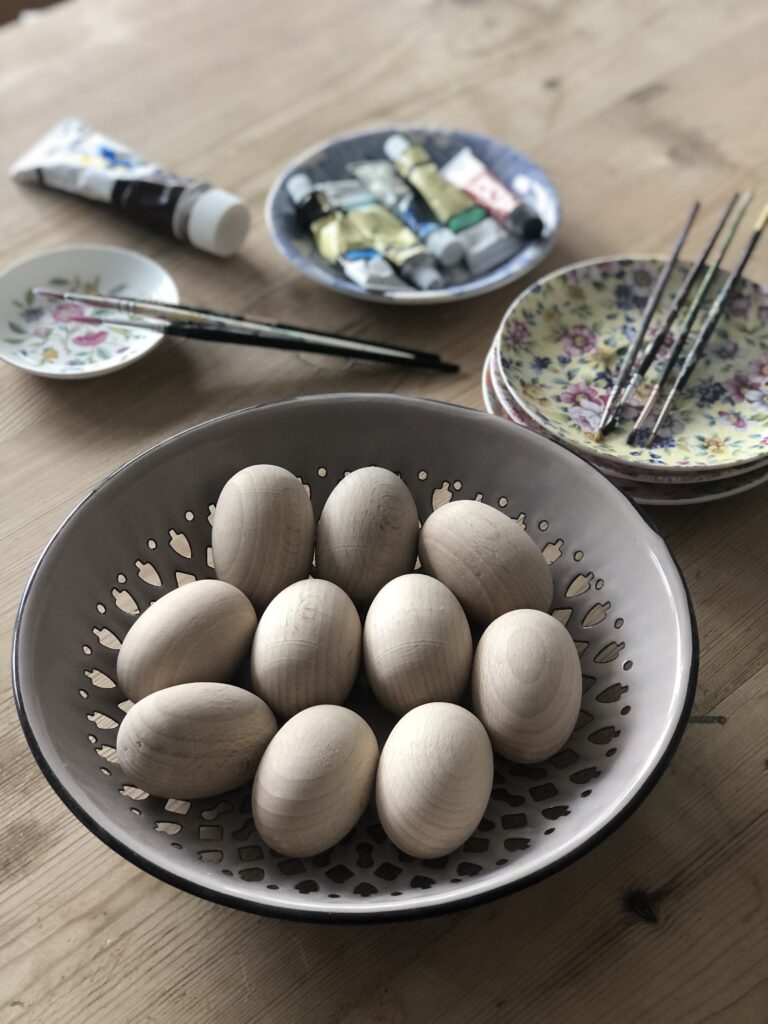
(74, 158)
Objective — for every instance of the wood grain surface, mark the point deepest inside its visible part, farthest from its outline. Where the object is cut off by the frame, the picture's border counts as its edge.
(633, 109)
(417, 644)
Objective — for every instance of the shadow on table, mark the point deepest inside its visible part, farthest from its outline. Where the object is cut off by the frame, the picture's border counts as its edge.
(179, 384)
(490, 962)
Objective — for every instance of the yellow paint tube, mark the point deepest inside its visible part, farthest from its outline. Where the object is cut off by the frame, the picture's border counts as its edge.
(384, 232)
(338, 240)
(486, 243)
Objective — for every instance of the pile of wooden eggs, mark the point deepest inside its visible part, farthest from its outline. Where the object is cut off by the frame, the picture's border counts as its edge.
(192, 733)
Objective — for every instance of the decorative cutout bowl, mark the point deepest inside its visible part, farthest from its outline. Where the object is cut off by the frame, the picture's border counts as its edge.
(145, 530)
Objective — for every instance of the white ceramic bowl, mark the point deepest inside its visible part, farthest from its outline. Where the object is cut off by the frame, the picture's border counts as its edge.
(616, 588)
(43, 339)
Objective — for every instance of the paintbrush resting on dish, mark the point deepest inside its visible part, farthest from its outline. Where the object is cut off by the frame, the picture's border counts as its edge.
(210, 325)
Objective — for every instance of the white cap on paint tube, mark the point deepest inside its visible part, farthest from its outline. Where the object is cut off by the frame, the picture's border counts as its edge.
(445, 246)
(218, 222)
(424, 275)
(298, 187)
(487, 244)
(395, 145)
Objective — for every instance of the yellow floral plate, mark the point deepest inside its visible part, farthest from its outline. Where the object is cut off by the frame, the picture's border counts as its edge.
(561, 341)
(642, 473)
(660, 493)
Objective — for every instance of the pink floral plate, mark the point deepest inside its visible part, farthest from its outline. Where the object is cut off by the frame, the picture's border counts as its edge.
(47, 340)
(560, 343)
(643, 473)
(640, 491)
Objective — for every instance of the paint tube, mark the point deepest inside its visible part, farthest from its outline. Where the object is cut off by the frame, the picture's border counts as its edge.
(385, 232)
(485, 242)
(387, 187)
(338, 240)
(74, 158)
(467, 172)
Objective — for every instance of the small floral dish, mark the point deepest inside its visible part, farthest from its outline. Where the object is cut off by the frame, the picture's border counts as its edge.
(329, 161)
(46, 339)
(641, 492)
(561, 342)
(617, 471)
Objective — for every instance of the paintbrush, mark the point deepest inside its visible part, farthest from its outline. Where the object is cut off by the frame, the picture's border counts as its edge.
(699, 345)
(212, 325)
(365, 350)
(690, 317)
(650, 308)
(655, 344)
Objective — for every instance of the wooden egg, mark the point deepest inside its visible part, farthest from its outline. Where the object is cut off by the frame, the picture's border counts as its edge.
(416, 643)
(307, 647)
(263, 532)
(367, 533)
(526, 685)
(434, 779)
(487, 560)
(194, 740)
(201, 631)
(315, 780)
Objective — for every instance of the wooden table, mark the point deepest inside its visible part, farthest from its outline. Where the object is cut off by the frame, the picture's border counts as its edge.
(633, 109)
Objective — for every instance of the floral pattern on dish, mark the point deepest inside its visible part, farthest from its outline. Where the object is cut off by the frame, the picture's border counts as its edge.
(577, 323)
(643, 492)
(43, 332)
(649, 474)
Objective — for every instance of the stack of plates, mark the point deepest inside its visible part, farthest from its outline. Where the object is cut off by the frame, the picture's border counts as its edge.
(557, 350)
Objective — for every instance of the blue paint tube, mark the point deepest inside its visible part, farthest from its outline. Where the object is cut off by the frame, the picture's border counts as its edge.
(386, 186)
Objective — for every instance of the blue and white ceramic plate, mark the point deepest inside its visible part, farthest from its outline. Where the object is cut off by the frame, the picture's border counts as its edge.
(329, 161)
